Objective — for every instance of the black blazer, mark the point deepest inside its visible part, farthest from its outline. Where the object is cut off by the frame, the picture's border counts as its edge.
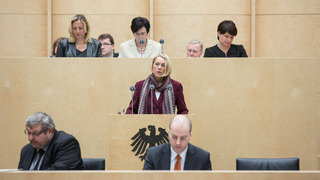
(115, 54)
(234, 51)
(67, 49)
(158, 158)
(63, 153)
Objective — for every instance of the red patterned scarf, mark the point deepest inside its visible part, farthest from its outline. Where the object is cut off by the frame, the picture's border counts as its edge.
(168, 106)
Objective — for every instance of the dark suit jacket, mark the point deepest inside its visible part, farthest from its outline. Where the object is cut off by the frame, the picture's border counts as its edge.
(67, 49)
(158, 158)
(157, 104)
(234, 51)
(63, 153)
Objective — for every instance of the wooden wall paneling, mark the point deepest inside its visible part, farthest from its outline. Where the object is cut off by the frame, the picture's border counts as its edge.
(23, 7)
(49, 24)
(253, 28)
(287, 28)
(178, 23)
(287, 35)
(189, 7)
(178, 30)
(291, 23)
(101, 7)
(23, 35)
(294, 7)
(261, 94)
(24, 29)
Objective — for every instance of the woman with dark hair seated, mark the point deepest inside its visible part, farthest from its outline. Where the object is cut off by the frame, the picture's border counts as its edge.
(140, 46)
(167, 93)
(227, 30)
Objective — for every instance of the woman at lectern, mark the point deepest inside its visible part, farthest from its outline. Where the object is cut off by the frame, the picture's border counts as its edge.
(140, 46)
(158, 91)
(226, 32)
(79, 44)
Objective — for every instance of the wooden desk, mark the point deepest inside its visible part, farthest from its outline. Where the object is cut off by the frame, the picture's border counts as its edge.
(157, 175)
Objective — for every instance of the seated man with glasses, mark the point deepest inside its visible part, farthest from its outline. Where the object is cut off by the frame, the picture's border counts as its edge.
(49, 149)
(107, 46)
(179, 154)
(194, 49)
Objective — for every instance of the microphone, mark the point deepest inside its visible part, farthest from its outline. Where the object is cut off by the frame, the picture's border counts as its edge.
(169, 87)
(132, 88)
(141, 42)
(161, 42)
(151, 87)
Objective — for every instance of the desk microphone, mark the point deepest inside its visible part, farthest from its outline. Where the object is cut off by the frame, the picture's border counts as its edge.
(141, 42)
(161, 42)
(151, 87)
(132, 88)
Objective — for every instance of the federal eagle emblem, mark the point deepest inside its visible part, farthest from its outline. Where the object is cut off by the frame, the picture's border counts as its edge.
(141, 141)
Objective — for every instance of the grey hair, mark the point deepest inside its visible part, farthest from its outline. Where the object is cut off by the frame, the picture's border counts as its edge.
(40, 118)
(196, 42)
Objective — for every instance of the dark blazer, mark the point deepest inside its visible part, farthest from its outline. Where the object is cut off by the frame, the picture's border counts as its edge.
(157, 104)
(63, 153)
(158, 158)
(234, 51)
(67, 49)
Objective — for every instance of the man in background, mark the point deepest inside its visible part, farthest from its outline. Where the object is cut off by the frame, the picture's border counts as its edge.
(194, 49)
(107, 46)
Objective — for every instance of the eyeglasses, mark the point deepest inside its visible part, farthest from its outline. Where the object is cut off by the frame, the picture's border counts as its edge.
(140, 34)
(106, 44)
(193, 51)
(34, 134)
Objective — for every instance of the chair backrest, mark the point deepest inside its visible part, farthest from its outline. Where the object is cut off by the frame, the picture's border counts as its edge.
(93, 163)
(268, 164)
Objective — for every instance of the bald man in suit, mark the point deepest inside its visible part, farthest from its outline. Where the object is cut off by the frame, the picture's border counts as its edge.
(178, 154)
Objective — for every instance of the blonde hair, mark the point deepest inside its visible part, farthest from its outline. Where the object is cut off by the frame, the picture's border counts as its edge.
(167, 62)
(82, 18)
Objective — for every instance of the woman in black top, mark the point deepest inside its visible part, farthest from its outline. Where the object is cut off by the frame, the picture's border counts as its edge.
(226, 32)
(79, 44)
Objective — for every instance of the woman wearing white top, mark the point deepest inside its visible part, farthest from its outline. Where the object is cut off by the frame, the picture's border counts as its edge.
(140, 46)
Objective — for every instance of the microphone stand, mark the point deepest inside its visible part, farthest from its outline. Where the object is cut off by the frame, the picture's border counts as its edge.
(161, 42)
(132, 88)
(151, 87)
(141, 42)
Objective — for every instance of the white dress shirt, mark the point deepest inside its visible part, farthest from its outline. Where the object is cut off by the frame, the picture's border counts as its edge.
(173, 159)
